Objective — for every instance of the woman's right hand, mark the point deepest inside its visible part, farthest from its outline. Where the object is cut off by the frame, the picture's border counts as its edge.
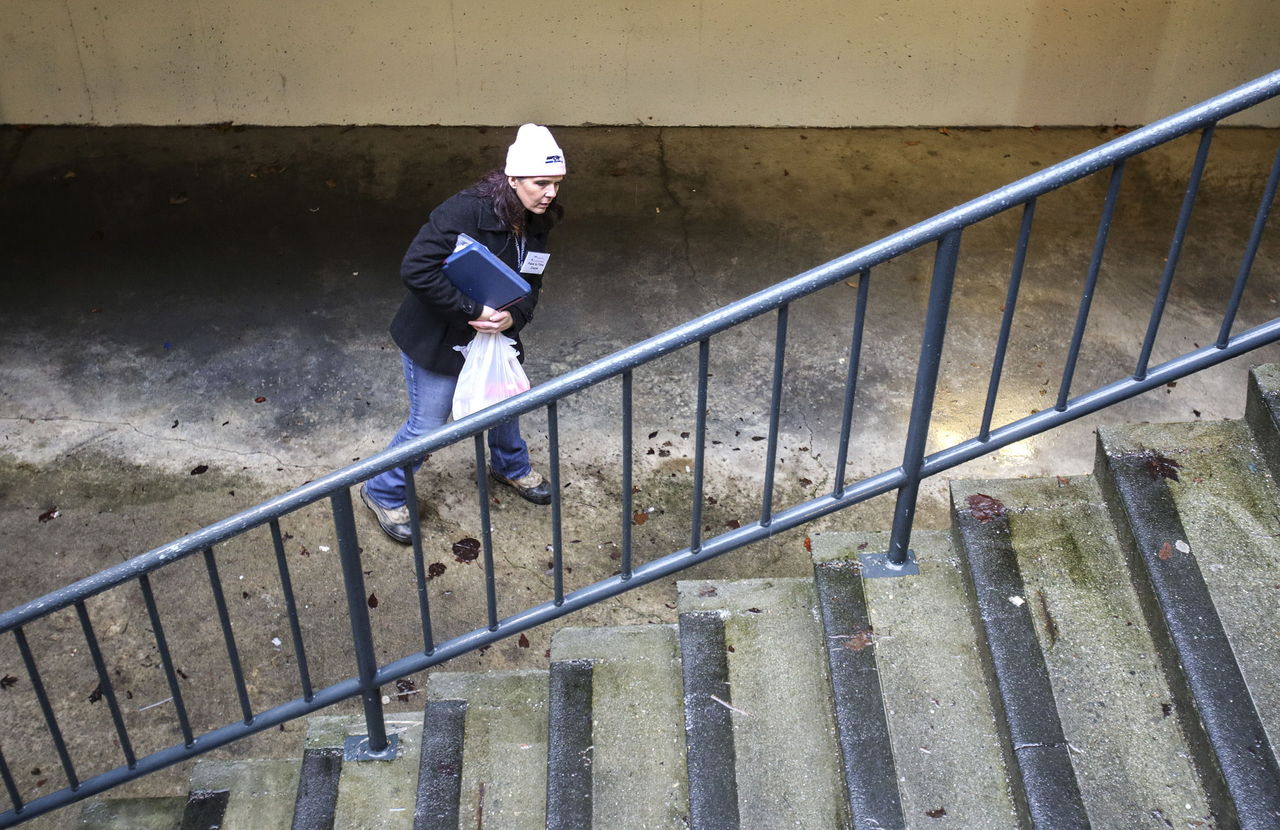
(492, 321)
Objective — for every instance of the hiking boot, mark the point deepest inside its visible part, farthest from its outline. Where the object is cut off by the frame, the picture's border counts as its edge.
(394, 521)
(531, 486)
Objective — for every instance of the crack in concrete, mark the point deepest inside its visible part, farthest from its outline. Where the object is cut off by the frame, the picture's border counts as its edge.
(664, 175)
(126, 424)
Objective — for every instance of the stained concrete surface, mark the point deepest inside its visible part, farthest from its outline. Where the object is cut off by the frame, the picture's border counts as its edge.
(158, 282)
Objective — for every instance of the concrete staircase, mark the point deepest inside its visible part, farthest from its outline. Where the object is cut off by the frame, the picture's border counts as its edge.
(1101, 651)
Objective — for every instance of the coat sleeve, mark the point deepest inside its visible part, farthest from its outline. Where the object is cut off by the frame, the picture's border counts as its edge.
(522, 310)
(423, 267)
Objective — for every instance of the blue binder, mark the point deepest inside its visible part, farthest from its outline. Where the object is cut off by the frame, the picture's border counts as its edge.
(476, 272)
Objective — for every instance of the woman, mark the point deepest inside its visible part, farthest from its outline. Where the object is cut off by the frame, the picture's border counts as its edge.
(510, 211)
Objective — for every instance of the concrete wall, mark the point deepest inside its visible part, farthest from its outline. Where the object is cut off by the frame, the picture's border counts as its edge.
(663, 62)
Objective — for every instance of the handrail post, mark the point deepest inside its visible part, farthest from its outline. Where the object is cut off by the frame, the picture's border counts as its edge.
(374, 746)
(898, 560)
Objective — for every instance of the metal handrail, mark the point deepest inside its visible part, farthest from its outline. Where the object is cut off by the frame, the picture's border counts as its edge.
(945, 230)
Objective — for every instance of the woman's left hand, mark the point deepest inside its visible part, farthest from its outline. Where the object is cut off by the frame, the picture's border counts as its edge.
(492, 321)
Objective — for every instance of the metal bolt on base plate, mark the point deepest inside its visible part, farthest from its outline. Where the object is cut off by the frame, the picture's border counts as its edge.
(877, 565)
(356, 748)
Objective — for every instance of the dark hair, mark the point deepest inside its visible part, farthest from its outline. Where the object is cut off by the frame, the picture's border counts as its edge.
(507, 205)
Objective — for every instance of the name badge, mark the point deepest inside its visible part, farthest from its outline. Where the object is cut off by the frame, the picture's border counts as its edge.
(534, 263)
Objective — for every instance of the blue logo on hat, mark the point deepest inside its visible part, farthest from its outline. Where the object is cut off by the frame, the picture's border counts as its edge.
(555, 160)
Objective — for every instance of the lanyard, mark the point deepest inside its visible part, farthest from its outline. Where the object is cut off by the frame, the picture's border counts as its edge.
(520, 248)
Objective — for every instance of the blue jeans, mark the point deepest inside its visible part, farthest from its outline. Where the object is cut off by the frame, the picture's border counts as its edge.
(430, 403)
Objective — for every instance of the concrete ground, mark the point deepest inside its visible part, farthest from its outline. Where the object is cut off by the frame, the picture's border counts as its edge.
(193, 320)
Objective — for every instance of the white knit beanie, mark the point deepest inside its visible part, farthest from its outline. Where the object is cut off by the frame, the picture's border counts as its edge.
(534, 153)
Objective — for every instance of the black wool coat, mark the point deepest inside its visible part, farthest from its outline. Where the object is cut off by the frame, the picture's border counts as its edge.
(433, 316)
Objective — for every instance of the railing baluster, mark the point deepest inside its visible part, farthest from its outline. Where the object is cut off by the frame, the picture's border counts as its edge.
(1006, 323)
(700, 444)
(1090, 283)
(935, 331)
(228, 636)
(1175, 250)
(775, 412)
(628, 462)
(1251, 250)
(104, 683)
(291, 606)
(9, 784)
(557, 536)
(344, 525)
(170, 672)
(851, 379)
(46, 706)
(486, 535)
(419, 564)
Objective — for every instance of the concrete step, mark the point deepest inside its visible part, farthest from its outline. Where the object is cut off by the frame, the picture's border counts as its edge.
(373, 795)
(1198, 510)
(630, 743)
(260, 792)
(1092, 721)
(160, 813)
(782, 733)
(919, 638)
(487, 765)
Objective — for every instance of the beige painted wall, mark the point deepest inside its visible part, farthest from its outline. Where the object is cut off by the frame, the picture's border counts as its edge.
(688, 62)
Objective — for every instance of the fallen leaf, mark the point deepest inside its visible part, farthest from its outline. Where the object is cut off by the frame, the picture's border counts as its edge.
(1063, 481)
(303, 551)
(373, 600)
(710, 591)
(1166, 551)
(200, 470)
(804, 482)
(404, 688)
(733, 524)
(755, 610)
(466, 550)
(49, 515)
(859, 640)
(1159, 466)
(523, 641)
(944, 131)
(435, 569)
(653, 434)
(640, 517)
(938, 813)
(7, 681)
(808, 545)
(984, 508)
(862, 546)
(96, 694)
(260, 399)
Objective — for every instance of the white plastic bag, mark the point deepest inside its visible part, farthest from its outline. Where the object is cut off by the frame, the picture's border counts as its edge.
(491, 373)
